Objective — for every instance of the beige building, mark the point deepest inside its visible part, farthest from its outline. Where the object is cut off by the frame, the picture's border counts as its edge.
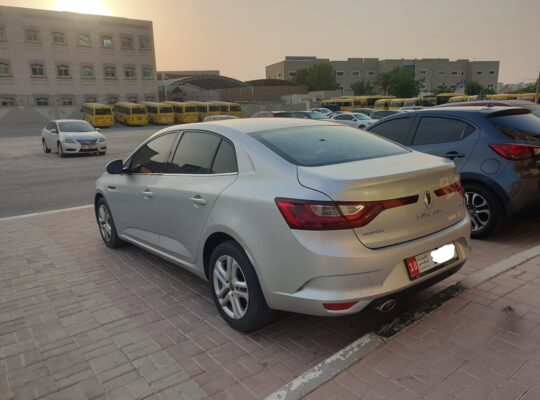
(62, 59)
(432, 72)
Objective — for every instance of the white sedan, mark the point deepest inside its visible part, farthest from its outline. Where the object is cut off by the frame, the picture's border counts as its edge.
(356, 120)
(71, 136)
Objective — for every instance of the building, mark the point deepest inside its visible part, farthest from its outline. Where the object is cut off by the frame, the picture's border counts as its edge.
(432, 72)
(62, 59)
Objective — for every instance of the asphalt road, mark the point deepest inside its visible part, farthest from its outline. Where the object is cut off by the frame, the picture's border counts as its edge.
(32, 181)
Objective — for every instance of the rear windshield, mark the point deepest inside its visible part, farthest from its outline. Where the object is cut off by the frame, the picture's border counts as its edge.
(518, 127)
(140, 110)
(324, 145)
(103, 111)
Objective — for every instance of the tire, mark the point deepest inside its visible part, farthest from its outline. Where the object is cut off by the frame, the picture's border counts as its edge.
(60, 151)
(485, 210)
(45, 148)
(104, 218)
(251, 311)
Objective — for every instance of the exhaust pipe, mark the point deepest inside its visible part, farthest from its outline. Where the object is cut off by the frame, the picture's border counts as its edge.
(386, 306)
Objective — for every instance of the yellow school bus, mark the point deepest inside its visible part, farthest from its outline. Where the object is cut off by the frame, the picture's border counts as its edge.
(159, 113)
(428, 101)
(98, 115)
(339, 104)
(534, 97)
(502, 96)
(235, 110)
(443, 98)
(130, 113)
(412, 102)
(382, 104)
(395, 104)
(185, 112)
(458, 99)
(216, 108)
(202, 109)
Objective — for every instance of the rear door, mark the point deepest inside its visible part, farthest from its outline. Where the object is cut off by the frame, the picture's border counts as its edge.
(203, 165)
(396, 129)
(442, 136)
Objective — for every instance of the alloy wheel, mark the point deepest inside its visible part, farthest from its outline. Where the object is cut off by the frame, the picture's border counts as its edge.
(230, 287)
(104, 220)
(479, 210)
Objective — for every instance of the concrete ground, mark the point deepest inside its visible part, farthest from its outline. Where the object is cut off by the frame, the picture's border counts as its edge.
(79, 320)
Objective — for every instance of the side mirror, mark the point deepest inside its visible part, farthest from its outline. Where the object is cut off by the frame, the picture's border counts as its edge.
(115, 167)
(54, 130)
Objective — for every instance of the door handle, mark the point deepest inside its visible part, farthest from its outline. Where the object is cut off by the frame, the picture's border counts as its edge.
(198, 200)
(454, 154)
(147, 193)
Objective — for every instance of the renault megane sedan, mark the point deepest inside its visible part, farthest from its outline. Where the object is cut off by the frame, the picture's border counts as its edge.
(288, 214)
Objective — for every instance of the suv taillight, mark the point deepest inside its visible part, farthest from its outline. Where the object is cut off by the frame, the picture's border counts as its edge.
(516, 151)
(333, 215)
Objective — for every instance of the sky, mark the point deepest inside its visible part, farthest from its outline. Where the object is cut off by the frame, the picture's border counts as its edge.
(241, 37)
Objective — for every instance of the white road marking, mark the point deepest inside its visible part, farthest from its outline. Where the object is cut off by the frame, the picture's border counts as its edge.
(46, 212)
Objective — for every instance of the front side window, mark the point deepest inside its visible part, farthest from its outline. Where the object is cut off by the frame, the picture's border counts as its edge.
(127, 42)
(42, 101)
(195, 153)
(129, 72)
(147, 73)
(58, 38)
(83, 40)
(395, 129)
(62, 71)
(144, 43)
(326, 145)
(106, 41)
(5, 69)
(37, 70)
(32, 35)
(87, 72)
(153, 156)
(441, 130)
(109, 72)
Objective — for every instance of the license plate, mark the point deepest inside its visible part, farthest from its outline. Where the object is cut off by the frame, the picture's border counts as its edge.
(86, 147)
(423, 264)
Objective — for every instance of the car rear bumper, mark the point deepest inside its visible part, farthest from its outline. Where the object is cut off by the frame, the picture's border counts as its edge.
(364, 276)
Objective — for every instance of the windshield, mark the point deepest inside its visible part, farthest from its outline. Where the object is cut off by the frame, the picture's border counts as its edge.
(103, 111)
(139, 110)
(324, 145)
(518, 127)
(361, 116)
(75, 126)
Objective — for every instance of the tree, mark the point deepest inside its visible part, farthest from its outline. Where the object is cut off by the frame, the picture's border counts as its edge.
(442, 89)
(383, 81)
(317, 77)
(362, 88)
(473, 88)
(403, 83)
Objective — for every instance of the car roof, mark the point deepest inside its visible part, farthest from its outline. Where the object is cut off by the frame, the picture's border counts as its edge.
(513, 103)
(67, 120)
(466, 109)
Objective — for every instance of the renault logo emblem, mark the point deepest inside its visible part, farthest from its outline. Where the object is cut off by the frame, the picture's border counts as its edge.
(428, 200)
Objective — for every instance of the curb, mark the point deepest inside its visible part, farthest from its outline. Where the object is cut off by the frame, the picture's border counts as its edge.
(45, 212)
(343, 359)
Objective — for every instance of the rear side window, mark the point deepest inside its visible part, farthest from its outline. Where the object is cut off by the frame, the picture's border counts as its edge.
(195, 153)
(225, 161)
(152, 157)
(395, 129)
(324, 145)
(441, 130)
(518, 127)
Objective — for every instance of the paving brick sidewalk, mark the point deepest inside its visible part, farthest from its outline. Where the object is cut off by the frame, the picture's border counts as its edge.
(484, 344)
(81, 321)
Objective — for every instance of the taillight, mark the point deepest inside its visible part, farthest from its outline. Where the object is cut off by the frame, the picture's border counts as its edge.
(333, 215)
(454, 187)
(516, 151)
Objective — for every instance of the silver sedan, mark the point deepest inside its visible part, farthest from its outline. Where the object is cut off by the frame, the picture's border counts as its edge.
(288, 214)
(72, 136)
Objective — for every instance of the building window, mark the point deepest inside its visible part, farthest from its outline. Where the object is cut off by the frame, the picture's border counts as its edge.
(292, 74)
(87, 72)
(62, 71)
(129, 73)
(127, 42)
(150, 98)
(42, 101)
(490, 86)
(109, 72)
(58, 38)
(356, 73)
(37, 70)
(133, 98)
(112, 99)
(422, 72)
(462, 73)
(341, 88)
(66, 101)
(492, 72)
(371, 73)
(479, 73)
(84, 40)
(5, 69)
(144, 43)
(7, 101)
(454, 73)
(90, 99)
(423, 86)
(147, 73)
(441, 73)
(107, 42)
(340, 73)
(3, 36)
(32, 35)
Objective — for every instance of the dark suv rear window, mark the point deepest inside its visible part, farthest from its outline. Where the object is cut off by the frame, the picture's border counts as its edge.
(518, 127)
(324, 145)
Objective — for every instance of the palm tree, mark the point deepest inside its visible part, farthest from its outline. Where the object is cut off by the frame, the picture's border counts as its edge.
(383, 81)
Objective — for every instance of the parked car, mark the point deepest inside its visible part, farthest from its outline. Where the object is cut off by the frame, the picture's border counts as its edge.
(272, 114)
(218, 117)
(383, 113)
(496, 149)
(308, 115)
(321, 110)
(72, 136)
(357, 120)
(367, 111)
(533, 107)
(281, 214)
